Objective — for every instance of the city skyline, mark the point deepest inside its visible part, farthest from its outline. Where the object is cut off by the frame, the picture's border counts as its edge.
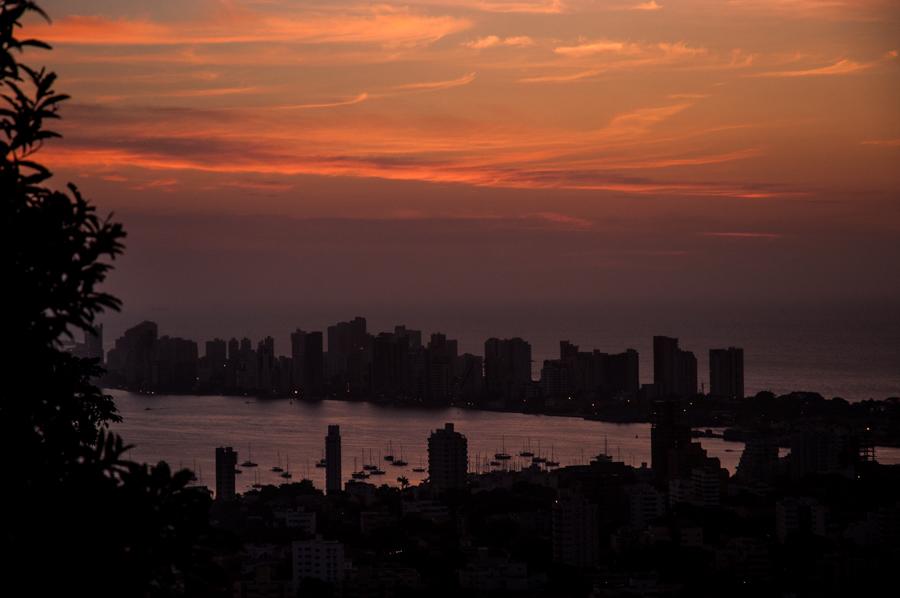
(350, 360)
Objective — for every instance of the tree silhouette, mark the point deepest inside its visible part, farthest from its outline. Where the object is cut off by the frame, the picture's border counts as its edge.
(80, 516)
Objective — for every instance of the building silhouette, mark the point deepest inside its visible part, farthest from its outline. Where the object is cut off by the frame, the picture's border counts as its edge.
(469, 373)
(448, 458)
(318, 559)
(307, 364)
(226, 462)
(726, 373)
(131, 359)
(440, 361)
(333, 459)
(576, 539)
(507, 370)
(670, 441)
(349, 358)
(674, 370)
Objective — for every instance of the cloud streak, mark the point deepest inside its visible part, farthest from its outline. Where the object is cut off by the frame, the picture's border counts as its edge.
(389, 27)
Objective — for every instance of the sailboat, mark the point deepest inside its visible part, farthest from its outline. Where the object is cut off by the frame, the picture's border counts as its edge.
(552, 462)
(256, 483)
(286, 474)
(322, 462)
(277, 468)
(537, 458)
(399, 462)
(390, 454)
(526, 450)
(358, 475)
(249, 462)
(502, 455)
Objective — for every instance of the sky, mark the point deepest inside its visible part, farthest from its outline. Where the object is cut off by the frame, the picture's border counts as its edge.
(290, 157)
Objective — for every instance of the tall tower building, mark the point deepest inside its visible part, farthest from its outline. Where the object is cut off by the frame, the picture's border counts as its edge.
(448, 458)
(674, 370)
(726, 373)
(333, 459)
(226, 462)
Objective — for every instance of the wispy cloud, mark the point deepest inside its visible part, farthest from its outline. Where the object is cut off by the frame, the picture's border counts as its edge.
(841, 67)
(432, 85)
(357, 99)
(379, 25)
(882, 142)
(493, 41)
(652, 5)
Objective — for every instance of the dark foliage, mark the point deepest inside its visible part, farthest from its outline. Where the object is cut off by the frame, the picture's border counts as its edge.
(79, 515)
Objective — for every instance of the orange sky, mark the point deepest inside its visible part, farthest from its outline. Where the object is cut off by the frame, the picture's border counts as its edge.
(731, 133)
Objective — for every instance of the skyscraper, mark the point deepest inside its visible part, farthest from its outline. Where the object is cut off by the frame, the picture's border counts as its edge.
(307, 363)
(507, 368)
(226, 462)
(674, 370)
(448, 458)
(333, 459)
(669, 441)
(726, 373)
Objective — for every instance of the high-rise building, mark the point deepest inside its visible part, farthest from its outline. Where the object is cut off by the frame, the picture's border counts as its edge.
(621, 373)
(226, 462)
(448, 458)
(576, 540)
(214, 364)
(349, 357)
(175, 364)
(507, 369)
(265, 353)
(130, 362)
(307, 363)
(669, 442)
(726, 373)
(469, 372)
(674, 370)
(389, 359)
(440, 358)
(318, 559)
(333, 459)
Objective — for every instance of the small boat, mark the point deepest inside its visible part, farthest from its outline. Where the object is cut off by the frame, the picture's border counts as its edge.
(359, 475)
(286, 474)
(278, 468)
(495, 463)
(551, 462)
(538, 459)
(390, 454)
(526, 450)
(321, 463)
(399, 462)
(376, 471)
(237, 471)
(502, 455)
(249, 462)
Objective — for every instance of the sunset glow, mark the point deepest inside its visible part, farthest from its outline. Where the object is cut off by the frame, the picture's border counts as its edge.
(644, 127)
